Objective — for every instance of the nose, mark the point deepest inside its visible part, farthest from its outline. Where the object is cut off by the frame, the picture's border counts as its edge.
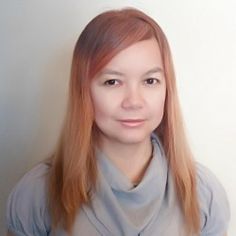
(133, 98)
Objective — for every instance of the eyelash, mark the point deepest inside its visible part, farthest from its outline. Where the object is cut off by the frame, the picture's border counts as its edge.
(154, 81)
(107, 82)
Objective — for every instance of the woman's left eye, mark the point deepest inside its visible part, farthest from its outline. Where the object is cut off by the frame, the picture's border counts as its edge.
(151, 81)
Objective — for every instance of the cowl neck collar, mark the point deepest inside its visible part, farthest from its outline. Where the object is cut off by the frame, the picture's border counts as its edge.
(119, 208)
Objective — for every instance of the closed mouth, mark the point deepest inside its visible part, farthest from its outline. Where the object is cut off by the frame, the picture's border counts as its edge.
(132, 122)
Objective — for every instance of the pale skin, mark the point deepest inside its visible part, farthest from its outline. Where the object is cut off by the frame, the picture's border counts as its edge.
(128, 97)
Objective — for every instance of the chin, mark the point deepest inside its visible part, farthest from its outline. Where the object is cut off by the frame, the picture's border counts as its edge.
(131, 138)
(127, 135)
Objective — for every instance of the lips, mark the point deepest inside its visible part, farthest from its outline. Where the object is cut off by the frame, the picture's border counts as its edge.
(132, 122)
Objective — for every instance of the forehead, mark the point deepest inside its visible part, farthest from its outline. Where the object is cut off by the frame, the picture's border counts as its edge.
(143, 56)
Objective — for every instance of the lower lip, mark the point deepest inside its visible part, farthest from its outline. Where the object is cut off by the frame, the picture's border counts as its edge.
(132, 123)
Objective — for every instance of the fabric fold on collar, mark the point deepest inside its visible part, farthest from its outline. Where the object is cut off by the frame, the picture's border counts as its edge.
(117, 207)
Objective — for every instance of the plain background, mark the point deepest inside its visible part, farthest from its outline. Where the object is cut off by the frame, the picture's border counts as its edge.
(36, 44)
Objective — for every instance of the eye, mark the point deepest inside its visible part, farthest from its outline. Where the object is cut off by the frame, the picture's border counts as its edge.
(151, 81)
(111, 82)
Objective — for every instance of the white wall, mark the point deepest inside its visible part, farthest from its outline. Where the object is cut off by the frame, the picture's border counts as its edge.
(37, 40)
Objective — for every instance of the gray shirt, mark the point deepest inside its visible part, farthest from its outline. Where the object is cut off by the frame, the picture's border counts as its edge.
(117, 207)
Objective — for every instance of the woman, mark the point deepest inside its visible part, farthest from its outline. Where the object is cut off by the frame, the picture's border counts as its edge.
(122, 165)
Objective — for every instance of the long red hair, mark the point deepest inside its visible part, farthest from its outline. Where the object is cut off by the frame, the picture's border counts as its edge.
(73, 170)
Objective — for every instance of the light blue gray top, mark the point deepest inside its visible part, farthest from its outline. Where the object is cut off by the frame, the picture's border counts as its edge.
(118, 208)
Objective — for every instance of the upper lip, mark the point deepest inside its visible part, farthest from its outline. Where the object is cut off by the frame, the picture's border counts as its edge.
(131, 120)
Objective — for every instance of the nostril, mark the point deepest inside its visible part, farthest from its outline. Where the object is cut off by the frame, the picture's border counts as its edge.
(134, 102)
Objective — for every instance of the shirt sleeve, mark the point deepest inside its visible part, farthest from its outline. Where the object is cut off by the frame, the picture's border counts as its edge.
(26, 213)
(214, 205)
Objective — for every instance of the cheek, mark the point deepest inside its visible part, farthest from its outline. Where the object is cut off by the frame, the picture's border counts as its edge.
(103, 110)
(158, 102)
(99, 110)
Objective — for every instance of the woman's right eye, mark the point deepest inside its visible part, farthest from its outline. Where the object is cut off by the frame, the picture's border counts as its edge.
(111, 82)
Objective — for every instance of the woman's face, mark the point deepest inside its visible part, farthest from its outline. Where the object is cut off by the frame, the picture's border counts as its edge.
(129, 93)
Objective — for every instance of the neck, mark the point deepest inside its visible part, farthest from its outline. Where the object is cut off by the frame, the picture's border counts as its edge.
(131, 159)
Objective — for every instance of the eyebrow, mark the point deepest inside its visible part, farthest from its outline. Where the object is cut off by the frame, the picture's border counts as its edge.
(114, 72)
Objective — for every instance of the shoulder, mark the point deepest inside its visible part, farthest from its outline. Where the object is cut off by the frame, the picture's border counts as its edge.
(214, 205)
(27, 203)
(32, 185)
